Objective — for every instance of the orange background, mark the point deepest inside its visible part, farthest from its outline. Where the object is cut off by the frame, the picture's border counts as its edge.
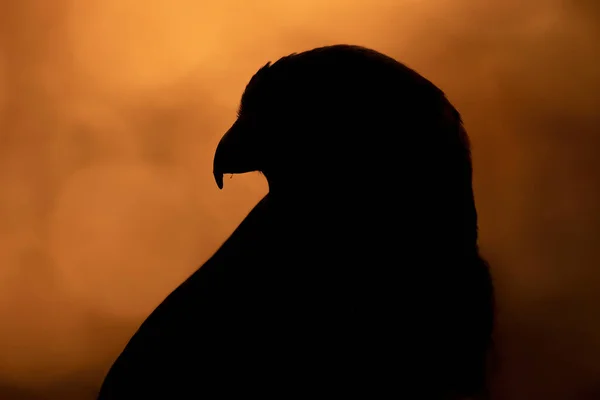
(110, 111)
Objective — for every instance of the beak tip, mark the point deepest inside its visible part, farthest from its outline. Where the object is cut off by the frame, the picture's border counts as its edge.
(219, 179)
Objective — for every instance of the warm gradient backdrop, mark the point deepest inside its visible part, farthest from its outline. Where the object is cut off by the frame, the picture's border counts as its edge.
(110, 111)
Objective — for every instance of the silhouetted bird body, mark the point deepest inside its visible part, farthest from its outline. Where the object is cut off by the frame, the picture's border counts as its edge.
(357, 274)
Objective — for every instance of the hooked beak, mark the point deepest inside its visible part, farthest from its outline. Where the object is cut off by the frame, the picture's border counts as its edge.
(235, 153)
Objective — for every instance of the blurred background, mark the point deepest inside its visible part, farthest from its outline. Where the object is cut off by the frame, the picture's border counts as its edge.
(110, 111)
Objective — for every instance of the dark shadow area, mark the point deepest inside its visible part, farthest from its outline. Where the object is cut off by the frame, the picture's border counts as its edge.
(357, 274)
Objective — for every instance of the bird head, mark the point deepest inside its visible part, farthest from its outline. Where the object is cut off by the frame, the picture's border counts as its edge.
(305, 115)
(343, 117)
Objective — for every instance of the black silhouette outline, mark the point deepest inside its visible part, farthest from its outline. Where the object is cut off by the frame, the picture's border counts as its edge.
(357, 274)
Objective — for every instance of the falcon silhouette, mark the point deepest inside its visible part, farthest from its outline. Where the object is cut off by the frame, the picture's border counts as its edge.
(357, 274)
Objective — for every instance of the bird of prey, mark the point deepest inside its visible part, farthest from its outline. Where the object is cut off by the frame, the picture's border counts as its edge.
(359, 272)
